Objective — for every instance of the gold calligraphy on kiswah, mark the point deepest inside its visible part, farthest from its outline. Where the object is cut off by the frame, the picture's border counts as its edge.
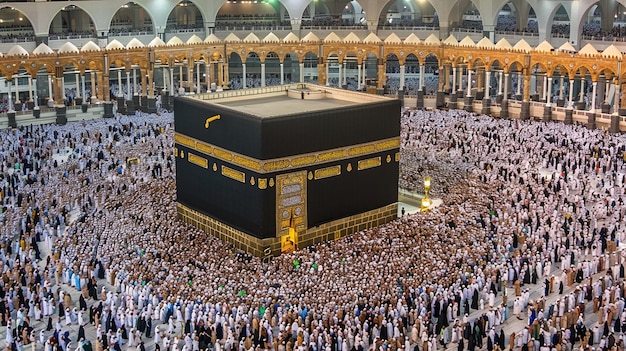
(369, 163)
(197, 160)
(233, 174)
(327, 172)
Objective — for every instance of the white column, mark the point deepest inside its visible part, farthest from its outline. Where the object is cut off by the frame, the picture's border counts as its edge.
(616, 99)
(17, 89)
(339, 79)
(506, 86)
(594, 87)
(197, 77)
(83, 91)
(402, 77)
(63, 86)
(243, 81)
(77, 82)
(129, 91)
(606, 92)
(520, 80)
(454, 79)
(500, 90)
(282, 74)
(172, 81)
(262, 74)
(342, 77)
(50, 93)
(181, 76)
(364, 73)
(36, 95)
(133, 87)
(327, 77)
(301, 72)
(119, 83)
(358, 74)
(30, 88)
(545, 88)
(561, 88)
(9, 83)
(487, 83)
(422, 80)
(549, 97)
(570, 103)
(469, 82)
(582, 89)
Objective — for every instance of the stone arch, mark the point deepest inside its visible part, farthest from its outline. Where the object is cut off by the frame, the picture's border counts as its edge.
(291, 67)
(332, 67)
(310, 71)
(185, 16)
(351, 71)
(392, 73)
(272, 68)
(558, 23)
(71, 20)
(233, 14)
(253, 69)
(511, 17)
(408, 14)
(235, 70)
(465, 14)
(131, 18)
(16, 23)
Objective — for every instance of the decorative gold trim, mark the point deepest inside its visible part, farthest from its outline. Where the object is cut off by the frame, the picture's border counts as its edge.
(246, 162)
(310, 175)
(271, 182)
(222, 154)
(388, 144)
(331, 155)
(327, 172)
(175, 152)
(262, 183)
(182, 153)
(303, 160)
(388, 159)
(362, 150)
(397, 157)
(204, 147)
(233, 174)
(276, 165)
(214, 167)
(296, 161)
(369, 163)
(252, 181)
(349, 167)
(198, 160)
(185, 140)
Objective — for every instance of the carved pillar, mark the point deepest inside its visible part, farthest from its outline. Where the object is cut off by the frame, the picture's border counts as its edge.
(93, 86)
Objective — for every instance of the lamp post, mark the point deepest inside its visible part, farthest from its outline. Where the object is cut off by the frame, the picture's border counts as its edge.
(426, 200)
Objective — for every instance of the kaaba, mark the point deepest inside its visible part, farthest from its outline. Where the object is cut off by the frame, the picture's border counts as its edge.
(256, 165)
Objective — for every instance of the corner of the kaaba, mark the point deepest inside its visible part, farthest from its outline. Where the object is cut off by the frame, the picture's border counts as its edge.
(248, 180)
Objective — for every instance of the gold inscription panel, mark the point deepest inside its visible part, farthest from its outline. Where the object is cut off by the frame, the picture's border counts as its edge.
(198, 160)
(369, 163)
(291, 201)
(234, 174)
(327, 172)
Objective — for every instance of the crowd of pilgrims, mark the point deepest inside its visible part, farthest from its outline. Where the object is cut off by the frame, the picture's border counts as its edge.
(530, 212)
